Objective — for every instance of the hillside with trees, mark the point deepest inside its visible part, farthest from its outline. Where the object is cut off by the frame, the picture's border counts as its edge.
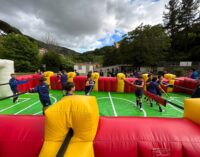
(177, 39)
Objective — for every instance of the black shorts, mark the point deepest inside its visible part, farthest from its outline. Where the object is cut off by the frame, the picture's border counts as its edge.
(63, 85)
(45, 103)
(138, 93)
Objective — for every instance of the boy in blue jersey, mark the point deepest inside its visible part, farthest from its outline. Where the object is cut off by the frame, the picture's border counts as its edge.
(195, 74)
(70, 88)
(63, 79)
(196, 93)
(43, 90)
(148, 83)
(155, 88)
(139, 91)
(89, 84)
(13, 82)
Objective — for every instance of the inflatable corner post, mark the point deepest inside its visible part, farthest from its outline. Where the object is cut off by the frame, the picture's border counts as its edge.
(171, 79)
(170, 89)
(120, 82)
(71, 76)
(145, 77)
(47, 75)
(95, 77)
(6, 68)
(170, 76)
(192, 109)
(77, 112)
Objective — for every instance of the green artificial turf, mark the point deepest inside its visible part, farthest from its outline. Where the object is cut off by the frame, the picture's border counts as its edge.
(110, 104)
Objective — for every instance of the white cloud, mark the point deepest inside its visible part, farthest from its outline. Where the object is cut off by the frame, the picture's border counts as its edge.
(79, 24)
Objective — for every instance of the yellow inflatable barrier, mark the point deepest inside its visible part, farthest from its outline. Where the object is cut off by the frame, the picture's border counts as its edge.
(192, 109)
(95, 77)
(169, 89)
(77, 112)
(47, 75)
(145, 77)
(120, 82)
(170, 76)
(71, 76)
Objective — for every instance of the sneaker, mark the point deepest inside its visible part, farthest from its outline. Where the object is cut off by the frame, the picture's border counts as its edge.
(15, 100)
(141, 109)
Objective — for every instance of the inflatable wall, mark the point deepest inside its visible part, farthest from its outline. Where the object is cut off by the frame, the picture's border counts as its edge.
(6, 68)
(100, 137)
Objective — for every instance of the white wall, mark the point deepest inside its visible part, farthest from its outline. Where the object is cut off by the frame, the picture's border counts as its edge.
(84, 69)
(6, 68)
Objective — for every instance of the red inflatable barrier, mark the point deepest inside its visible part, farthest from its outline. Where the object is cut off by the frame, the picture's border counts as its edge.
(107, 84)
(80, 82)
(101, 84)
(190, 84)
(178, 82)
(164, 81)
(113, 83)
(33, 81)
(53, 82)
(21, 136)
(115, 137)
(156, 98)
(147, 137)
(36, 79)
(76, 82)
(128, 88)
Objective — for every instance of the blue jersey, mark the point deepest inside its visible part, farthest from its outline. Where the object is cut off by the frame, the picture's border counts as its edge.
(63, 78)
(89, 88)
(138, 83)
(153, 88)
(195, 75)
(148, 86)
(14, 83)
(43, 92)
(139, 91)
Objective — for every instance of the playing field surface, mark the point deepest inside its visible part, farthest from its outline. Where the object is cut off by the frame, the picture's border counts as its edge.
(110, 104)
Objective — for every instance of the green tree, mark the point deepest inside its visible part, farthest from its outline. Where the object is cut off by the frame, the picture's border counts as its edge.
(171, 17)
(52, 61)
(188, 15)
(111, 56)
(147, 45)
(20, 49)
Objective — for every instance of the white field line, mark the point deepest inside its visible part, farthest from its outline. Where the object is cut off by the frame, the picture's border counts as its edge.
(37, 113)
(55, 100)
(144, 112)
(175, 108)
(113, 106)
(7, 108)
(26, 108)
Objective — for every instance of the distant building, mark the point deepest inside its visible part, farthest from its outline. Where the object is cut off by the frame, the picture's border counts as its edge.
(42, 51)
(117, 45)
(84, 68)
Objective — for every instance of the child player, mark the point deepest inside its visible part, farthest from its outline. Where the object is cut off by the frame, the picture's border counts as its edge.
(43, 91)
(139, 91)
(156, 89)
(89, 84)
(13, 82)
(148, 86)
(69, 88)
(63, 80)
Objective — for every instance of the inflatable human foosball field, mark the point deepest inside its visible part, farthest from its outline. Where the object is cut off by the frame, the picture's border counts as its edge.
(101, 136)
(95, 136)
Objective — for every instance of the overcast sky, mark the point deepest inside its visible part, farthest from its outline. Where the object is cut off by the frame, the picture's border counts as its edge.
(80, 25)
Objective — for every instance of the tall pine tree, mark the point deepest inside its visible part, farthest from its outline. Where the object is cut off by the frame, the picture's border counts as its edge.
(171, 17)
(188, 15)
